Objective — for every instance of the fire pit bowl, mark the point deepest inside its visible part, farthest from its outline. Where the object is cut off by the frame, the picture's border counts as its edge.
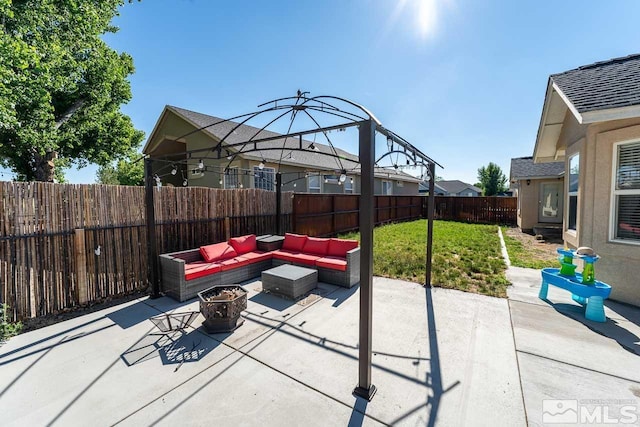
(221, 306)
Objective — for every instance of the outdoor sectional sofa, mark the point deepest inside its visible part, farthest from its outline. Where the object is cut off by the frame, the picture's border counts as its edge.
(186, 273)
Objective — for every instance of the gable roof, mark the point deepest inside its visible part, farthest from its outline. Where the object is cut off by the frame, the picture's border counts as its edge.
(423, 187)
(523, 168)
(456, 186)
(603, 91)
(277, 150)
(603, 85)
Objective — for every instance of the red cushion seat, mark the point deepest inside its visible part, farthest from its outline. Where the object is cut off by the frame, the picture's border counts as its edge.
(244, 244)
(256, 256)
(333, 263)
(340, 247)
(296, 257)
(200, 269)
(293, 242)
(217, 252)
(316, 246)
(230, 264)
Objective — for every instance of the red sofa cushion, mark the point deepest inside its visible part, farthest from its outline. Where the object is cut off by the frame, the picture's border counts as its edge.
(293, 242)
(316, 246)
(217, 252)
(333, 263)
(340, 247)
(296, 257)
(230, 264)
(255, 256)
(200, 269)
(244, 244)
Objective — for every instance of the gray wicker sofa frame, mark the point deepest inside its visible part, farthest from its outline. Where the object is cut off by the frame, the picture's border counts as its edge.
(175, 284)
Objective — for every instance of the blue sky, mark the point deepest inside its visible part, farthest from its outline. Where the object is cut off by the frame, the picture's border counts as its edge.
(462, 80)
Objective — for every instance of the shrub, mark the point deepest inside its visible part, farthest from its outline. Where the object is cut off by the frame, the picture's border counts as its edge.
(7, 329)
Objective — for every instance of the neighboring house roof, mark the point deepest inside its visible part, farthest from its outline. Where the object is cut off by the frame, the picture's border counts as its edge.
(455, 186)
(424, 188)
(524, 168)
(603, 91)
(278, 150)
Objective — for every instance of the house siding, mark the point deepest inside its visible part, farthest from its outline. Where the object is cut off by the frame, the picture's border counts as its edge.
(620, 262)
(529, 202)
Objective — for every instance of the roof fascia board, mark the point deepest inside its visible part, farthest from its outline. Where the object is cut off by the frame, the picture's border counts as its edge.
(571, 107)
(155, 129)
(630, 112)
(520, 178)
(543, 116)
(551, 159)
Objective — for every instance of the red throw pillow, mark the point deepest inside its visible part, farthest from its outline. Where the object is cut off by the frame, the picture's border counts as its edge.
(244, 244)
(340, 247)
(293, 242)
(217, 252)
(315, 245)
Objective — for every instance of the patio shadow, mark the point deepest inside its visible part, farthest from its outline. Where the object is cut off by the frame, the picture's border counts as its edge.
(175, 347)
(611, 328)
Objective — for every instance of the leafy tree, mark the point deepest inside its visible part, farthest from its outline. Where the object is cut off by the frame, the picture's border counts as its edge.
(61, 87)
(492, 180)
(129, 171)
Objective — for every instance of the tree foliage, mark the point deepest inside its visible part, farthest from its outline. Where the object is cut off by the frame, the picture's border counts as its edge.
(128, 171)
(492, 180)
(61, 87)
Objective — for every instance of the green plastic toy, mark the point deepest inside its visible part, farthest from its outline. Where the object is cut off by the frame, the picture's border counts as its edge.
(568, 268)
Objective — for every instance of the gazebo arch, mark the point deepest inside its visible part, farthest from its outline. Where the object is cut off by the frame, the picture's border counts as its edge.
(344, 114)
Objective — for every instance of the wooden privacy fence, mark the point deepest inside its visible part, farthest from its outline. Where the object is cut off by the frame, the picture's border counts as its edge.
(330, 214)
(490, 210)
(62, 245)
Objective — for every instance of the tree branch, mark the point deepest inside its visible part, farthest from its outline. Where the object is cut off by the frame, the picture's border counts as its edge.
(69, 113)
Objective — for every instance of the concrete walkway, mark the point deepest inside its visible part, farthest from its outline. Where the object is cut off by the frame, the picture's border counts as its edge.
(593, 368)
(441, 357)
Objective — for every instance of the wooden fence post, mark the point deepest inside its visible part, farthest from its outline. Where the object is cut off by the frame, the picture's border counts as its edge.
(80, 253)
(227, 228)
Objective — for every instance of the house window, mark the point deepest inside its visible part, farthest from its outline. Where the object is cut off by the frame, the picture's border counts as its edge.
(231, 178)
(331, 179)
(314, 184)
(387, 188)
(626, 192)
(572, 194)
(348, 185)
(264, 178)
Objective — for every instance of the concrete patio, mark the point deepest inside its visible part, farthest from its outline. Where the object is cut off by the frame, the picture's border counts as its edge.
(441, 357)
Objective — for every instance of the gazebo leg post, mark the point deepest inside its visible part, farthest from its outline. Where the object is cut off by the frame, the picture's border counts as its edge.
(430, 211)
(367, 135)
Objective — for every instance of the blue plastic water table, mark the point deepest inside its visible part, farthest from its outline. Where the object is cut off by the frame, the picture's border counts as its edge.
(584, 290)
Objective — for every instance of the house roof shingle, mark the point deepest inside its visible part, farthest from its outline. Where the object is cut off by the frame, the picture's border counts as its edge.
(603, 85)
(523, 167)
(456, 186)
(273, 151)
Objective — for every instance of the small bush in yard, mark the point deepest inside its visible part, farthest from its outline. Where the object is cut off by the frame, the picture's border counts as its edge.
(7, 328)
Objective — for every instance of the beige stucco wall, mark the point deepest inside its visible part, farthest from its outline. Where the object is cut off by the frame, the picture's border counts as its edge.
(620, 262)
(529, 202)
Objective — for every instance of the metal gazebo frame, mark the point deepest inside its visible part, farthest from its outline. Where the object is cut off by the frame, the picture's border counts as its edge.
(368, 126)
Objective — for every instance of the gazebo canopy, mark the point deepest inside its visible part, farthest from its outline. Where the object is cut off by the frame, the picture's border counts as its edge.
(306, 116)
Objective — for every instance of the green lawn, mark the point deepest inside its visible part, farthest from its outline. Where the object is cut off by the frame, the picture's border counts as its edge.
(465, 256)
(527, 257)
